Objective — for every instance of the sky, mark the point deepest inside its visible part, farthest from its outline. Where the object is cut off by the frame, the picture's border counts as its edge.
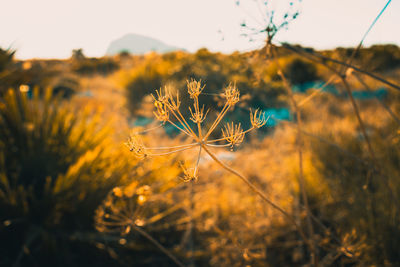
(53, 28)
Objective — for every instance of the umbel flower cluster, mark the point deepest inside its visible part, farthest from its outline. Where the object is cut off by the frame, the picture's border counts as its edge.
(167, 110)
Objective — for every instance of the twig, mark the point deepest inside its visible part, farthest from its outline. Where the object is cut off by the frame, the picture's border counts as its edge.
(325, 58)
(386, 107)
(158, 245)
(296, 110)
(35, 232)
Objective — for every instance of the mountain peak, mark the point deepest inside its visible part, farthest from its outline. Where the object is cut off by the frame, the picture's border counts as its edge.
(138, 44)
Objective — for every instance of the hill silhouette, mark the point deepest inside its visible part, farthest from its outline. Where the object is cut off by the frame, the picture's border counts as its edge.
(138, 44)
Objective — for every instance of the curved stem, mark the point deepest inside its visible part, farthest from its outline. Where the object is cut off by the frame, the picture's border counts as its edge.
(182, 120)
(197, 162)
(150, 129)
(174, 151)
(257, 191)
(386, 107)
(180, 129)
(170, 147)
(225, 145)
(158, 245)
(324, 58)
(302, 183)
(316, 92)
(360, 121)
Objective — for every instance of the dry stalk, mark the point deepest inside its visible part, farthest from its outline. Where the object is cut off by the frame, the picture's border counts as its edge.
(321, 59)
(296, 110)
(158, 245)
(167, 111)
(113, 217)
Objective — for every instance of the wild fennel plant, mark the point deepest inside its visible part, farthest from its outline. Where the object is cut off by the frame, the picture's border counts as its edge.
(167, 110)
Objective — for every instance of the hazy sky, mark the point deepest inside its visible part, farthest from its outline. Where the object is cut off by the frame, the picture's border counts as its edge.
(52, 28)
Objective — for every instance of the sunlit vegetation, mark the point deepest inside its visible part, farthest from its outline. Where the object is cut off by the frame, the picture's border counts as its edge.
(215, 69)
(90, 66)
(73, 194)
(56, 169)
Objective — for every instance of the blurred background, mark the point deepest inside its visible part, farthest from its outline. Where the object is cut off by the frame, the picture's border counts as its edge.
(76, 79)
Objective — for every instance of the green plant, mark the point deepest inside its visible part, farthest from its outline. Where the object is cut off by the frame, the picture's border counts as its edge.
(55, 169)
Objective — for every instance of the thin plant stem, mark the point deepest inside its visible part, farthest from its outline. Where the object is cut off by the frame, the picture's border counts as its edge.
(355, 107)
(191, 223)
(325, 58)
(296, 110)
(182, 121)
(158, 245)
(360, 121)
(198, 123)
(257, 191)
(197, 162)
(171, 152)
(163, 214)
(217, 120)
(179, 128)
(386, 107)
(369, 146)
(150, 129)
(366, 33)
(33, 234)
(222, 139)
(212, 145)
(316, 92)
(171, 147)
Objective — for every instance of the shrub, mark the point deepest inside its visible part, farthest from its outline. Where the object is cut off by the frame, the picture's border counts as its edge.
(141, 83)
(215, 69)
(65, 86)
(6, 56)
(382, 57)
(55, 169)
(365, 201)
(90, 66)
(299, 71)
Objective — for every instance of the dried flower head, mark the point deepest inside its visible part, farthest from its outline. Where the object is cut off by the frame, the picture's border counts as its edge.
(232, 94)
(162, 96)
(117, 192)
(136, 146)
(161, 112)
(167, 110)
(141, 199)
(173, 103)
(144, 190)
(120, 212)
(166, 98)
(194, 88)
(233, 134)
(257, 118)
(198, 116)
(140, 222)
(188, 175)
